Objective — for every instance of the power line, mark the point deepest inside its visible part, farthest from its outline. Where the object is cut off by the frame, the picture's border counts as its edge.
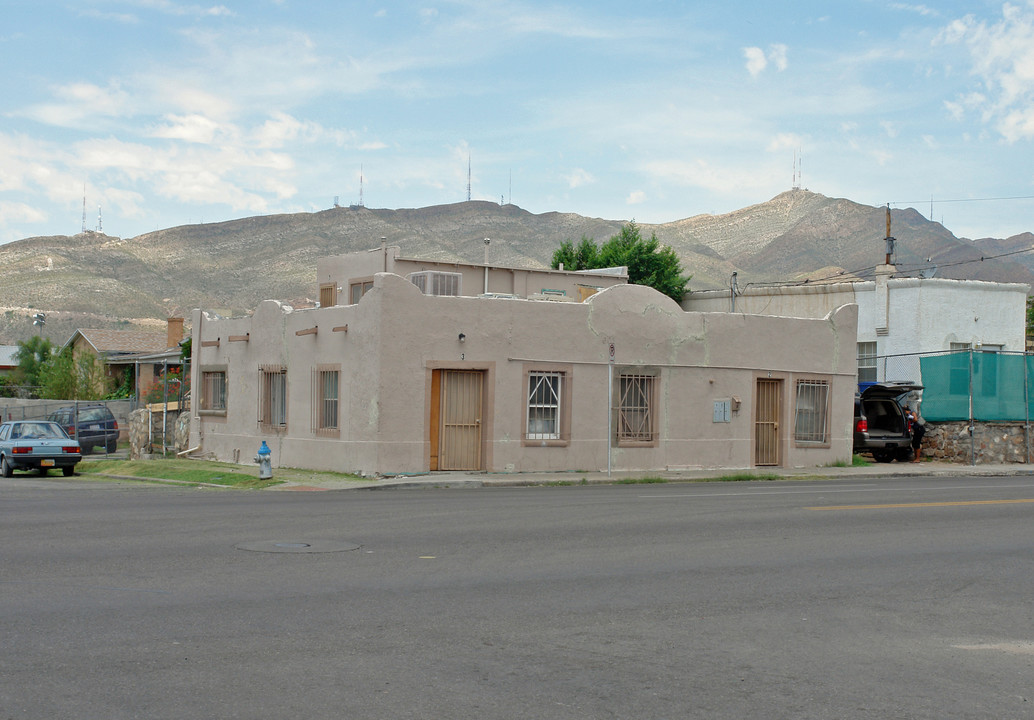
(870, 271)
(960, 200)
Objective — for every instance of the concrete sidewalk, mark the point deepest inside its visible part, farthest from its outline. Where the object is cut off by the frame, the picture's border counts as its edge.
(442, 480)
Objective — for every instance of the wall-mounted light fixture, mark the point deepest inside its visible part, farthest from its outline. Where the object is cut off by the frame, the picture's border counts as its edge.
(463, 337)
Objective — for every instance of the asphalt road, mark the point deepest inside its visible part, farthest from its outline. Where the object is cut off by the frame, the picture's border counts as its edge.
(895, 598)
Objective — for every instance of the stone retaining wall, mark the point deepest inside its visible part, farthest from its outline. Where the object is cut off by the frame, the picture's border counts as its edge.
(145, 432)
(992, 443)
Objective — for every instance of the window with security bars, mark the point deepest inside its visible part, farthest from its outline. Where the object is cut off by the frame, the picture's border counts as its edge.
(544, 406)
(867, 362)
(636, 408)
(810, 415)
(273, 396)
(325, 401)
(213, 390)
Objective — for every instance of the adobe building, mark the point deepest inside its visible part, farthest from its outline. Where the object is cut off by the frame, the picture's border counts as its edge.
(400, 381)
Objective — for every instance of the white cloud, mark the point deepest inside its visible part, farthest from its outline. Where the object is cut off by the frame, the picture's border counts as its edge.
(699, 173)
(578, 177)
(918, 9)
(20, 212)
(282, 129)
(784, 141)
(174, 8)
(192, 128)
(1002, 54)
(636, 197)
(756, 61)
(76, 103)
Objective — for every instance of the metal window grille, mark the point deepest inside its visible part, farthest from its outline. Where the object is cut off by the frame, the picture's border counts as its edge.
(544, 405)
(328, 295)
(867, 362)
(213, 390)
(636, 407)
(811, 411)
(325, 401)
(273, 396)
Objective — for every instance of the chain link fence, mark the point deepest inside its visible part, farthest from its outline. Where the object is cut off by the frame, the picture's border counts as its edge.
(969, 385)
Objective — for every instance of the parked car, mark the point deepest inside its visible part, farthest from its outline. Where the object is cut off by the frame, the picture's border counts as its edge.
(880, 426)
(36, 444)
(92, 425)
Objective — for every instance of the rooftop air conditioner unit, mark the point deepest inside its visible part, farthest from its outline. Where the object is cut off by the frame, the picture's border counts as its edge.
(435, 282)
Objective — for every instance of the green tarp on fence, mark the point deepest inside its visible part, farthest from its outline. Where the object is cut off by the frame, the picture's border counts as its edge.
(997, 382)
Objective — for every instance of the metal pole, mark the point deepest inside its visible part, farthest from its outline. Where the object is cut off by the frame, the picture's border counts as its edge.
(165, 398)
(972, 441)
(610, 413)
(1026, 410)
(610, 408)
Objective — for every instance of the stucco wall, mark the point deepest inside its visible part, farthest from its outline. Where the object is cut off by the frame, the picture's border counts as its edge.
(524, 282)
(397, 337)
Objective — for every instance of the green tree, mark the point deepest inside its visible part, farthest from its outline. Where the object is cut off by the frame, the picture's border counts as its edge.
(647, 261)
(584, 257)
(66, 377)
(33, 356)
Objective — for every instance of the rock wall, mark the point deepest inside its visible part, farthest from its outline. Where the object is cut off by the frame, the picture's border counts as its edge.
(992, 443)
(145, 432)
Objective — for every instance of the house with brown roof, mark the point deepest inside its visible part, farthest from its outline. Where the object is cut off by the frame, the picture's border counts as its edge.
(146, 354)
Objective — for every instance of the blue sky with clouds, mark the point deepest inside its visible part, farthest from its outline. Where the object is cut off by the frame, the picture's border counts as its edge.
(172, 112)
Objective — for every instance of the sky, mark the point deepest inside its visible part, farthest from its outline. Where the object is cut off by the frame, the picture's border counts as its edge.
(169, 112)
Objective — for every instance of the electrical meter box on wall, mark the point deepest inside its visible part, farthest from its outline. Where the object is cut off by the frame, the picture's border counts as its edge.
(722, 411)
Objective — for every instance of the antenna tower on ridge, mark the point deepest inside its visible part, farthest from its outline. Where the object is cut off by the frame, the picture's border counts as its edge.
(99, 226)
(468, 177)
(84, 207)
(360, 185)
(797, 162)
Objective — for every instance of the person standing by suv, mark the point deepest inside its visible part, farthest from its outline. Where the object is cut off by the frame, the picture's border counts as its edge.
(917, 426)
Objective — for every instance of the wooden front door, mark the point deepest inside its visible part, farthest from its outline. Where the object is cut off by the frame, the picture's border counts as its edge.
(456, 419)
(766, 422)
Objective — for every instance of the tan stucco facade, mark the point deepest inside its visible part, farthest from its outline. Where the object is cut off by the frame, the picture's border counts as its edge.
(396, 358)
(344, 274)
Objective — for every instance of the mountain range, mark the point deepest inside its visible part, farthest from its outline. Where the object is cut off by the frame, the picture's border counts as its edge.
(98, 281)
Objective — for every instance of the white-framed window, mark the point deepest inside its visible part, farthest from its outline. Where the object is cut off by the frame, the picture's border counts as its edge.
(867, 362)
(273, 396)
(545, 393)
(325, 400)
(636, 410)
(213, 390)
(811, 412)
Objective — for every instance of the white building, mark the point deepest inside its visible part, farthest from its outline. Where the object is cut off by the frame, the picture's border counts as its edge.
(898, 318)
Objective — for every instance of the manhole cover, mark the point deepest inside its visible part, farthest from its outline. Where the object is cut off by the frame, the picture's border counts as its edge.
(295, 546)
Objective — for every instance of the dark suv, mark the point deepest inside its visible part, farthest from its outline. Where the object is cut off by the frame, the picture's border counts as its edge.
(92, 425)
(880, 426)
